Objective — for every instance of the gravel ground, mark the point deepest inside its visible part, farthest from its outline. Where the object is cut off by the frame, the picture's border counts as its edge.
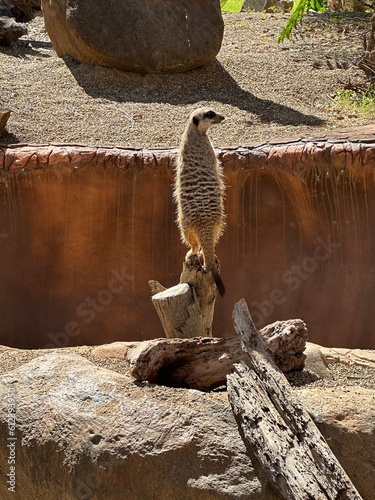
(266, 91)
(343, 374)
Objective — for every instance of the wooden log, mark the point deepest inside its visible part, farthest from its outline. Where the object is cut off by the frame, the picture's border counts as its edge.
(278, 433)
(204, 363)
(199, 363)
(187, 310)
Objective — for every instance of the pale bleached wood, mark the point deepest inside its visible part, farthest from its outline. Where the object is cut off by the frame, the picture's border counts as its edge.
(276, 429)
(187, 310)
(178, 311)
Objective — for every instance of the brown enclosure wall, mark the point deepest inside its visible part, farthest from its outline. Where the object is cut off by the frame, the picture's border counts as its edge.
(82, 230)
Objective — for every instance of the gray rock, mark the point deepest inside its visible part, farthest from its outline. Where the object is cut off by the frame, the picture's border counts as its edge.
(84, 432)
(143, 36)
(25, 10)
(316, 362)
(13, 13)
(346, 418)
(10, 30)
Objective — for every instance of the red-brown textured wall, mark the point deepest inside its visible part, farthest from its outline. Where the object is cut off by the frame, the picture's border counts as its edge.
(82, 230)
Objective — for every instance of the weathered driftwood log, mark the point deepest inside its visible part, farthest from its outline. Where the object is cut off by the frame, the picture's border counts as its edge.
(277, 431)
(199, 363)
(4, 116)
(204, 363)
(187, 310)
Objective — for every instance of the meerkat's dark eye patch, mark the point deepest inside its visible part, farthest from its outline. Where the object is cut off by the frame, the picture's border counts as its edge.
(210, 114)
(195, 121)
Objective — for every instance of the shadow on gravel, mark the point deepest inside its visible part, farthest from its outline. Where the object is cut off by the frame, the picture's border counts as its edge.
(8, 138)
(23, 48)
(209, 83)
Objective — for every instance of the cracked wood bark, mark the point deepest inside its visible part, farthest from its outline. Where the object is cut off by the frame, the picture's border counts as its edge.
(204, 363)
(186, 310)
(276, 429)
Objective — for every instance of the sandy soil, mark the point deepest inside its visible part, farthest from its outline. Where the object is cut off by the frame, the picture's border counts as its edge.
(265, 90)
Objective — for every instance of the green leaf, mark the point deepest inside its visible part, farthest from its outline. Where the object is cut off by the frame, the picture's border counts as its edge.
(300, 8)
(231, 5)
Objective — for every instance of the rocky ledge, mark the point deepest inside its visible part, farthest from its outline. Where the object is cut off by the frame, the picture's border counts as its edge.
(75, 424)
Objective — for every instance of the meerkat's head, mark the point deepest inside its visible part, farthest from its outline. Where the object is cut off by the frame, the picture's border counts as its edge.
(203, 118)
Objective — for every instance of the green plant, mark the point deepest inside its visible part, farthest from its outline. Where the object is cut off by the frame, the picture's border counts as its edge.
(300, 8)
(231, 5)
(360, 101)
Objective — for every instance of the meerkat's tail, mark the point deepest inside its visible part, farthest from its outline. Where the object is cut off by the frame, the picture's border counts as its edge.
(219, 283)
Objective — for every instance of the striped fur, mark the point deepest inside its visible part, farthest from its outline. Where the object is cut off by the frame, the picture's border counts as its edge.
(199, 190)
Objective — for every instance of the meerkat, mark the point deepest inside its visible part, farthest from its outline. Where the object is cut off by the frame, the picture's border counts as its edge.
(199, 191)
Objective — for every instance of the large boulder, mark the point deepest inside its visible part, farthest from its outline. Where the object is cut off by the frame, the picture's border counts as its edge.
(87, 432)
(346, 418)
(72, 429)
(143, 36)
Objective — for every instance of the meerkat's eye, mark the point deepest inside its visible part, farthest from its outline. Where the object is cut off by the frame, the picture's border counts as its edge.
(195, 121)
(210, 114)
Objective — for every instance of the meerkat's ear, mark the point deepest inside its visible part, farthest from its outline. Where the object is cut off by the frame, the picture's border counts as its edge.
(195, 121)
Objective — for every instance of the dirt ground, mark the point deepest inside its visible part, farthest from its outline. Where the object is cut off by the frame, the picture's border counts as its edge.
(265, 90)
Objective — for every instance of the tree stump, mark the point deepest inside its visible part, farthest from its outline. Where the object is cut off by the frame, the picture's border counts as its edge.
(187, 309)
(278, 433)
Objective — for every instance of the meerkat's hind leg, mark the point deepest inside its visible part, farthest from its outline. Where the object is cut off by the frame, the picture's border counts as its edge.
(190, 237)
(207, 245)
